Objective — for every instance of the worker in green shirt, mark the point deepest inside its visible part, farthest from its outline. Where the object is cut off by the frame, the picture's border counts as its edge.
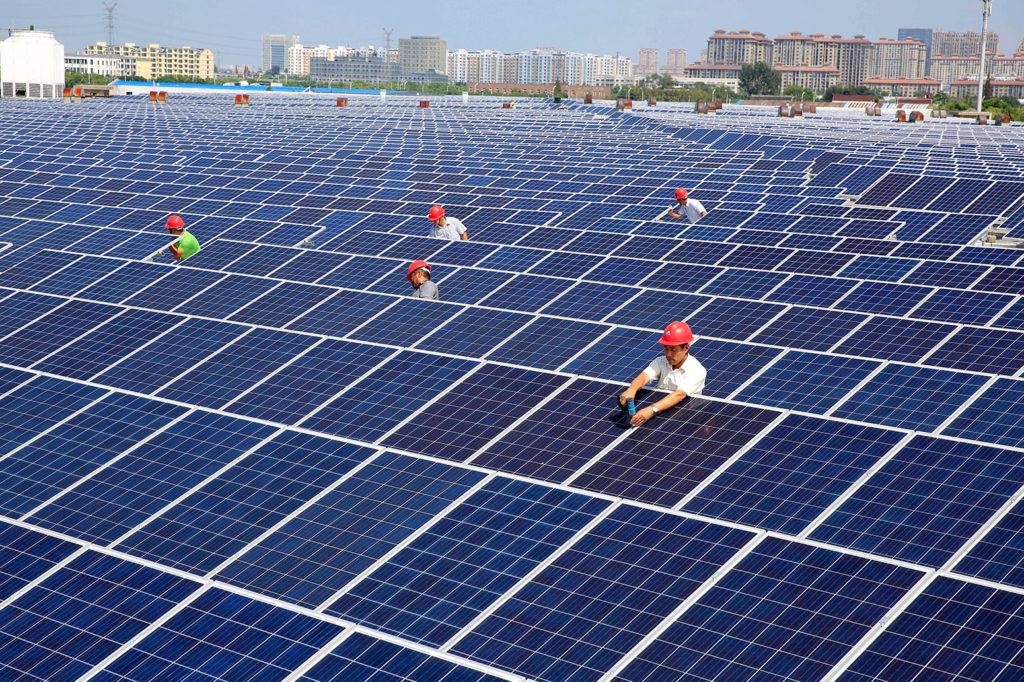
(187, 245)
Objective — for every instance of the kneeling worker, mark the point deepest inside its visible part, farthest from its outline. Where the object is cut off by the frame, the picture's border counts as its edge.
(419, 277)
(187, 245)
(691, 208)
(451, 229)
(677, 371)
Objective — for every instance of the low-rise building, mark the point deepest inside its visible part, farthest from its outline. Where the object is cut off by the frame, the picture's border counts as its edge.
(348, 69)
(99, 64)
(152, 62)
(570, 91)
(705, 72)
(817, 78)
(968, 89)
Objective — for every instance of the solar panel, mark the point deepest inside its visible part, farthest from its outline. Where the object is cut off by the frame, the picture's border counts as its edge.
(475, 332)
(787, 610)
(25, 555)
(807, 381)
(343, 533)
(809, 328)
(888, 515)
(599, 598)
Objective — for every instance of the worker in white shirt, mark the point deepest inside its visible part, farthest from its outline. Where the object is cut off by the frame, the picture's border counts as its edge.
(677, 371)
(451, 229)
(691, 208)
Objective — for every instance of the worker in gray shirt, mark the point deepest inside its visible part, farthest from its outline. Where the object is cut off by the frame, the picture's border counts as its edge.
(419, 277)
(451, 229)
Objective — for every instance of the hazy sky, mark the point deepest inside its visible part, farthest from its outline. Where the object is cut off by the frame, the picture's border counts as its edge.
(233, 29)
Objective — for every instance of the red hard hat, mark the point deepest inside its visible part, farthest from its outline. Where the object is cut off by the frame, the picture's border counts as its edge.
(435, 213)
(681, 193)
(676, 334)
(416, 265)
(175, 222)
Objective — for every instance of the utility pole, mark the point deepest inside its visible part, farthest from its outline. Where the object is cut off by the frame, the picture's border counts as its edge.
(110, 21)
(986, 10)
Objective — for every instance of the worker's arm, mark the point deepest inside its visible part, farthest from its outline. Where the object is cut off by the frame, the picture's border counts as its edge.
(465, 236)
(641, 380)
(175, 251)
(668, 402)
(673, 214)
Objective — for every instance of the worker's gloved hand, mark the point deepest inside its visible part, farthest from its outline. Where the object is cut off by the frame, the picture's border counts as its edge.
(641, 416)
(626, 395)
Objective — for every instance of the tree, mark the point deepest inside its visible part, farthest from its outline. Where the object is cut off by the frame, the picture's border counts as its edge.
(848, 90)
(800, 93)
(986, 92)
(760, 79)
(558, 91)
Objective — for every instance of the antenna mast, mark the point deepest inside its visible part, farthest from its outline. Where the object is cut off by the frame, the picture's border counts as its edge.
(110, 21)
(387, 38)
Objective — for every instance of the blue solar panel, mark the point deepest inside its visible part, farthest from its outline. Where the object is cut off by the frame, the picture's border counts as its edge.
(662, 462)
(341, 313)
(793, 473)
(406, 322)
(786, 611)
(126, 281)
(811, 290)
(955, 275)
(656, 309)
(117, 498)
(359, 272)
(809, 328)
(309, 266)
(37, 472)
(599, 598)
(221, 635)
(164, 296)
(53, 330)
(905, 396)
(526, 293)
(756, 257)
(436, 586)
(38, 405)
(982, 350)
(890, 514)
(25, 555)
(108, 343)
(674, 278)
(620, 356)
(489, 401)
(35, 268)
(220, 519)
(313, 555)
(884, 298)
(952, 631)
(547, 343)
(362, 657)
(993, 417)
(226, 296)
(878, 268)
(280, 305)
(1003, 280)
(807, 381)
(475, 332)
(590, 301)
(21, 308)
(217, 254)
(732, 319)
(962, 307)
(306, 384)
(83, 613)
(888, 338)
(223, 376)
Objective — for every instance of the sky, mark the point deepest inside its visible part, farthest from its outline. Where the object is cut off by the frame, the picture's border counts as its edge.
(233, 29)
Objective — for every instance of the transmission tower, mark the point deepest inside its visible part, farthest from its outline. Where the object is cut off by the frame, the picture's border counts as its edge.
(110, 21)
(387, 38)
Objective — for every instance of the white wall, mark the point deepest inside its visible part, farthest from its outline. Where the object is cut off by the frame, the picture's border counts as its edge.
(34, 61)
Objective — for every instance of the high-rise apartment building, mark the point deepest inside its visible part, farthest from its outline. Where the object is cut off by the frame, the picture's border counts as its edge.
(741, 47)
(647, 65)
(151, 62)
(922, 34)
(420, 54)
(542, 66)
(475, 66)
(895, 59)
(794, 50)
(275, 50)
(948, 70)
(949, 43)
(676, 64)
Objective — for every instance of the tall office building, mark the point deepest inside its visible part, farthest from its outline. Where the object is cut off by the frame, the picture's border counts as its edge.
(420, 54)
(949, 43)
(275, 50)
(648, 62)
(676, 64)
(925, 36)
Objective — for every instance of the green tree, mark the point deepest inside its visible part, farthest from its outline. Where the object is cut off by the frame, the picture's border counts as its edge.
(73, 78)
(799, 93)
(986, 92)
(848, 90)
(760, 79)
(558, 91)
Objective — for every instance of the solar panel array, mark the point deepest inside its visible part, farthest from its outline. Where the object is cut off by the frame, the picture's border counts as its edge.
(269, 462)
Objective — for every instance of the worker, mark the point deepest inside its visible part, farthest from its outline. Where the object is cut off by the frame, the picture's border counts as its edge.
(419, 277)
(187, 245)
(451, 229)
(677, 371)
(691, 208)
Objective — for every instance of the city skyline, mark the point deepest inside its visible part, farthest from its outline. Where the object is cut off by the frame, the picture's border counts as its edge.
(597, 26)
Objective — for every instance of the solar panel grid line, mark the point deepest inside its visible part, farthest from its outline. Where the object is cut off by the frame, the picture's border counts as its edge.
(295, 358)
(45, 575)
(145, 632)
(56, 424)
(170, 424)
(878, 628)
(980, 534)
(526, 579)
(141, 349)
(991, 322)
(967, 404)
(583, 351)
(753, 377)
(853, 391)
(568, 379)
(313, 501)
(853, 487)
(730, 461)
(322, 607)
(923, 360)
(199, 486)
(681, 608)
(63, 303)
(75, 340)
(297, 674)
(201, 362)
(851, 334)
